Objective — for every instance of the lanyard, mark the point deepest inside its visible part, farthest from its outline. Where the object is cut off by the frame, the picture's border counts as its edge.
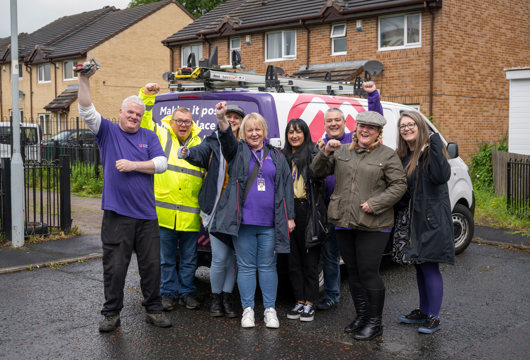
(259, 159)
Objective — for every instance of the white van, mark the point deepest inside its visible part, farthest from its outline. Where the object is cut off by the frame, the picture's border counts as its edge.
(30, 137)
(278, 108)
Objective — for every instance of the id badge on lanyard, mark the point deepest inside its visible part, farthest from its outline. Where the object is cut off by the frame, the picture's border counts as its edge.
(260, 178)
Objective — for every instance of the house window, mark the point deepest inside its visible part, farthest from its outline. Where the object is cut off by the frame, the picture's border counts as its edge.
(21, 115)
(44, 73)
(68, 70)
(45, 123)
(280, 45)
(235, 44)
(187, 50)
(399, 32)
(19, 72)
(338, 39)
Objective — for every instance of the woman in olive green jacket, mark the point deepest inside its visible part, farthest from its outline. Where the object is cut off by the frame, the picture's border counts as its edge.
(369, 180)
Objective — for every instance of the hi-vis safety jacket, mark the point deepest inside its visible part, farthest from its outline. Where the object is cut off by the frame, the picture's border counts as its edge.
(177, 189)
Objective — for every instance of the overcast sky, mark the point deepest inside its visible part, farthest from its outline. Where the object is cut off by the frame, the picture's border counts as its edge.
(34, 14)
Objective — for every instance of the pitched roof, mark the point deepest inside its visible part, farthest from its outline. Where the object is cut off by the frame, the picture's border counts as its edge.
(63, 101)
(244, 16)
(75, 35)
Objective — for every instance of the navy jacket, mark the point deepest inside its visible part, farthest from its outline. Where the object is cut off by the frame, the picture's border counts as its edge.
(228, 213)
(431, 220)
(208, 155)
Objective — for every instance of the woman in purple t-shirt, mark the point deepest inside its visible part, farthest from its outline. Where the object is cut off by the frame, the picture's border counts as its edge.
(257, 213)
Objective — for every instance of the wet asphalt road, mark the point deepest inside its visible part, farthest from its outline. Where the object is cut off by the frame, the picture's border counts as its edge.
(53, 313)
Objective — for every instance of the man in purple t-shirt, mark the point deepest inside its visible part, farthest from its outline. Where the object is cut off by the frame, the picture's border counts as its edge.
(130, 156)
(335, 126)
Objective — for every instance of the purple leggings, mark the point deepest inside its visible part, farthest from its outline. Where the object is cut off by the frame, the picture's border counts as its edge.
(430, 287)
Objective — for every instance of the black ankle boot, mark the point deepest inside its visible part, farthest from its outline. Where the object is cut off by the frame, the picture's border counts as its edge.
(373, 326)
(216, 308)
(359, 301)
(228, 306)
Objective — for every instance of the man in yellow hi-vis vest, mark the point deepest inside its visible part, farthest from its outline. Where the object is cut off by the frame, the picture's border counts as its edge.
(177, 207)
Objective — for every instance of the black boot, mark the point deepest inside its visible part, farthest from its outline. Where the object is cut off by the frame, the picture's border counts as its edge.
(360, 303)
(228, 306)
(216, 308)
(373, 326)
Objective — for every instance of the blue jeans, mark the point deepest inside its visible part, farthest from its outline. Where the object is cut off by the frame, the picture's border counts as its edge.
(222, 269)
(331, 266)
(255, 252)
(180, 284)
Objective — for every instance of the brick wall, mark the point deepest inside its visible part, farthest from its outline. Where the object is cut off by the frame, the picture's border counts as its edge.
(473, 42)
(128, 61)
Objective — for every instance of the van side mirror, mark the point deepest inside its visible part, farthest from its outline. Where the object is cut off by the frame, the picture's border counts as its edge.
(452, 150)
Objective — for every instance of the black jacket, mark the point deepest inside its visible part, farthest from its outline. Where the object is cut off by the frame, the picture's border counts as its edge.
(430, 208)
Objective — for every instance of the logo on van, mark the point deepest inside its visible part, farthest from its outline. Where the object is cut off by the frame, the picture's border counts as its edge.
(312, 109)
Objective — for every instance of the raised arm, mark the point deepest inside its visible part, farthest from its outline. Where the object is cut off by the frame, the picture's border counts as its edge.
(86, 110)
(374, 102)
(147, 94)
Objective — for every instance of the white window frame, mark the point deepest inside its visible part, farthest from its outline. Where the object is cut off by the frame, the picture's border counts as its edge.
(283, 56)
(406, 44)
(184, 59)
(43, 66)
(67, 63)
(232, 47)
(45, 121)
(334, 37)
(20, 72)
(21, 115)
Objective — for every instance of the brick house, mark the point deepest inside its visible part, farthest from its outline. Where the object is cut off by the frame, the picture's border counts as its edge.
(445, 58)
(125, 42)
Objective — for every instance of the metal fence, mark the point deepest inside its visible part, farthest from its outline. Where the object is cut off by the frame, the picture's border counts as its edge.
(47, 202)
(518, 186)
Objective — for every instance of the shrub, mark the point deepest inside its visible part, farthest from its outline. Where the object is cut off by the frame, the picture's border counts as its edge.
(481, 169)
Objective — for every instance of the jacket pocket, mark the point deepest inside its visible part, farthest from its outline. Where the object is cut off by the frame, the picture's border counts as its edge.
(334, 208)
(431, 219)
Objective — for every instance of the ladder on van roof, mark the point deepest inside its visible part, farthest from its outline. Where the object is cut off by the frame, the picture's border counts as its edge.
(210, 76)
(272, 81)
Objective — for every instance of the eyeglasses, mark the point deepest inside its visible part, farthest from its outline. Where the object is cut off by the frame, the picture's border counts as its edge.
(409, 126)
(182, 122)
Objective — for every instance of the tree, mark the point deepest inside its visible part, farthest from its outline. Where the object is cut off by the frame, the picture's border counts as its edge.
(196, 7)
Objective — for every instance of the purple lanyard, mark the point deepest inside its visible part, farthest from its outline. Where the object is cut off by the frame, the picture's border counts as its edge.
(260, 160)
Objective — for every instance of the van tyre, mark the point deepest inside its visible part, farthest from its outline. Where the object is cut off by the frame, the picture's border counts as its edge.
(464, 227)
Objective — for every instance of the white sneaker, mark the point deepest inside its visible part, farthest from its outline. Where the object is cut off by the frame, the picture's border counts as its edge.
(271, 319)
(247, 320)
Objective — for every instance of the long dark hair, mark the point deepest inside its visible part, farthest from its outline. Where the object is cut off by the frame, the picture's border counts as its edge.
(302, 157)
(421, 148)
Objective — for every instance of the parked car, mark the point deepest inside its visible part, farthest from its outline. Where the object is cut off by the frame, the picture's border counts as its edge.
(67, 142)
(30, 137)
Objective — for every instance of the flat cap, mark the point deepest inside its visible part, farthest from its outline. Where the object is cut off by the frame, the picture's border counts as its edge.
(371, 118)
(236, 109)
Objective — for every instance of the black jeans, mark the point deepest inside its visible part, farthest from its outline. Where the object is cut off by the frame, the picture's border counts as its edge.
(303, 262)
(362, 252)
(121, 235)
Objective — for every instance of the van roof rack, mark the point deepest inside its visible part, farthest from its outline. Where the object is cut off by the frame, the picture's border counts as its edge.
(210, 76)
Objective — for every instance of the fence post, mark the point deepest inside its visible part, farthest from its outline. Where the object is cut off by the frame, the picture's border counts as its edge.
(64, 196)
(508, 183)
(6, 174)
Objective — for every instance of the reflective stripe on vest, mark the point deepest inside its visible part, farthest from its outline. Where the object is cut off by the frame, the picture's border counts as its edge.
(184, 170)
(183, 208)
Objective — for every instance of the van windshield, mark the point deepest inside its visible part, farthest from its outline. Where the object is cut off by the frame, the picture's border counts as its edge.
(29, 135)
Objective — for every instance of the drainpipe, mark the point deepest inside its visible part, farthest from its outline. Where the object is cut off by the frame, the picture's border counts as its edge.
(28, 70)
(54, 78)
(308, 47)
(1, 99)
(431, 68)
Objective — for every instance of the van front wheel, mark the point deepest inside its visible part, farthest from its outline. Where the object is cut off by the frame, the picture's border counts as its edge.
(464, 227)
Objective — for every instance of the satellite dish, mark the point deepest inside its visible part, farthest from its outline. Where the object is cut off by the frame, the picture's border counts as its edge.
(373, 67)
